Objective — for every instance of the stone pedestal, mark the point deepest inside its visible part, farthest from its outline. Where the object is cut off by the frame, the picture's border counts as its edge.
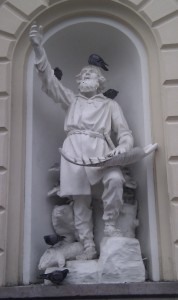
(120, 261)
(82, 271)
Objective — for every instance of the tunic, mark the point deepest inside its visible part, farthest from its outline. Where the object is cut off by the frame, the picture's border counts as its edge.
(97, 114)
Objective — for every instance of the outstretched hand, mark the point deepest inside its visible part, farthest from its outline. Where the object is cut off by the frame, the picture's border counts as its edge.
(36, 35)
(116, 151)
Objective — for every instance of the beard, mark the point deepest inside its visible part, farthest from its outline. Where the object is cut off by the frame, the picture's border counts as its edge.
(88, 85)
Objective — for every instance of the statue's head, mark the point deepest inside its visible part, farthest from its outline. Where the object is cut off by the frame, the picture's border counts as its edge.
(90, 79)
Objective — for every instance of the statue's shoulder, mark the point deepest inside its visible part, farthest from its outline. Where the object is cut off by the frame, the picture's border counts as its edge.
(115, 107)
(104, 98)
(114, 104)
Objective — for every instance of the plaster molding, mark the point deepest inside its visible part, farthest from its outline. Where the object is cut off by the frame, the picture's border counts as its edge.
(4, 120)
(157, 12)
(27, 11)
(160, 19)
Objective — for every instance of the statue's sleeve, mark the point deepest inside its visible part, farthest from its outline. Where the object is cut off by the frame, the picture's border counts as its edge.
(120, 127)
(51, 85)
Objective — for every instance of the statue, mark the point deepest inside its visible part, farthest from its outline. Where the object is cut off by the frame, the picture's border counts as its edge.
(90, 118)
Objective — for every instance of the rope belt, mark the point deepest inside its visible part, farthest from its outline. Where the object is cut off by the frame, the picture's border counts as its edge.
(104, 136)
(87, 132)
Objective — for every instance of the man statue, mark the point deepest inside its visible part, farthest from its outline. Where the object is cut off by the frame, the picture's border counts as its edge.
(90, 118)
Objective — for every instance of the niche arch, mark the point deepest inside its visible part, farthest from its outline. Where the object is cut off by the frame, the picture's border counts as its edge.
(126, 16)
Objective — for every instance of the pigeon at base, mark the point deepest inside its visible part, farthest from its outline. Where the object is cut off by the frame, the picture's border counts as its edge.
(56, 277)
(53, 239)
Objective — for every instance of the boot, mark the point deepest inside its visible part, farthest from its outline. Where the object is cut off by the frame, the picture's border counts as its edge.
(89, 251)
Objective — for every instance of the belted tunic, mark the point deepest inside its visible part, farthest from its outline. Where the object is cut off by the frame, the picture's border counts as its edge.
(87, 122)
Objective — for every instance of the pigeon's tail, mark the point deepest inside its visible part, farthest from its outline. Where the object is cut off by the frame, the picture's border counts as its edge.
(65, 272)
(105, 68)
(44, 276)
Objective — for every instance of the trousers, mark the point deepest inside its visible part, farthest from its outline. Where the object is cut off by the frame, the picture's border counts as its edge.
(113, 181)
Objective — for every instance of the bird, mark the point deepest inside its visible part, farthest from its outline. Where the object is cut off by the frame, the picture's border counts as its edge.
(53, 239)
(55, 277)
(58, 73)
(111, 93)
(96, 60)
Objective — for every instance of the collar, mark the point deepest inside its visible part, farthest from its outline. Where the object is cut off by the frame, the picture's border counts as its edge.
(98, 97)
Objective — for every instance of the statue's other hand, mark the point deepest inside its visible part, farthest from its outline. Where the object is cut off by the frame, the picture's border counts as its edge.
(118, 150)
(36, 35)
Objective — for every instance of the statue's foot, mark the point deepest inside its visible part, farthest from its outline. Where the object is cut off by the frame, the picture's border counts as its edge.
(111, 231)
(88, 254)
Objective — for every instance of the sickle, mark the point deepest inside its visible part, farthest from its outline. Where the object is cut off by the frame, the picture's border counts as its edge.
(123, 159)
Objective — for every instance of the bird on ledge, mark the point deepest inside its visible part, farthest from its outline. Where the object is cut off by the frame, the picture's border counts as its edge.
(55, 277)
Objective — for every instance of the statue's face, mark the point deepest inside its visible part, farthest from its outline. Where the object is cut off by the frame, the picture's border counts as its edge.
(89, 80)
(89, 73)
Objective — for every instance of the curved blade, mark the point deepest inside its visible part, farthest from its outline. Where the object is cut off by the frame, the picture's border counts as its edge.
(85, 161)
(124, 159)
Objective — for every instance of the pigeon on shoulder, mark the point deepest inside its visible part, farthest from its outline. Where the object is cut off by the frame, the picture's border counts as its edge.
(111, 93)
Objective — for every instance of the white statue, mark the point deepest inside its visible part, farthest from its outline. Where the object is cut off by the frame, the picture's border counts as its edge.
(90, 118)
(68, 248)
(57, 256)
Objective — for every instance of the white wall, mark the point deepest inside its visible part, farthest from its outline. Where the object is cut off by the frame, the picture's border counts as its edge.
(69, 49)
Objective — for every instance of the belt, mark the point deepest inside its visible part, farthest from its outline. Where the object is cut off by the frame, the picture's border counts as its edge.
(104, 136)
(87, 132)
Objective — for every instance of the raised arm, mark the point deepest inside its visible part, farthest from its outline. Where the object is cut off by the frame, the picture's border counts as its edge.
(51, 85)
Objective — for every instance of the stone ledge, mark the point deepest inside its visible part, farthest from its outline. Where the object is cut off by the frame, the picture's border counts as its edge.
(92, 291)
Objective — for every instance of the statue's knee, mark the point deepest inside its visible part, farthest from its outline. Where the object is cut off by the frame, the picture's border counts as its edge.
(116, 181)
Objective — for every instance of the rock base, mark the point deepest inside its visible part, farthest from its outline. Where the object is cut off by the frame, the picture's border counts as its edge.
(120, 261)
(82, 271)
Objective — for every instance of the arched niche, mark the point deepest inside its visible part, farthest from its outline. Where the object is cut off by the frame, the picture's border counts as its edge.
(68, 46)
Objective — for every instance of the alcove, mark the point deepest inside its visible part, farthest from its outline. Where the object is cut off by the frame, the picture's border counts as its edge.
(68, 46)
